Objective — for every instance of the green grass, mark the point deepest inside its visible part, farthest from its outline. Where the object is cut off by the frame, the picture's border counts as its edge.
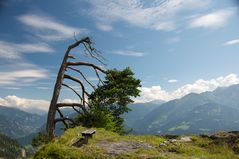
(183, 126)
(199, 147)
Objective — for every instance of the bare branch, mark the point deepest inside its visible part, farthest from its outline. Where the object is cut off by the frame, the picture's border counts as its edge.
(62, 116)
(97, 74)
(82, 76)
(82, 86)
(75, 36)
(64, 119)
(63, 84)
(77, 110)
(69, 105)
(85, 64)
(93, 52)
(71, 56)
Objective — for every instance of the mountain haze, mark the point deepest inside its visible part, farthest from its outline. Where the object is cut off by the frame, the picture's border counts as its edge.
(138, 111)
(17, 124)
(194, 113)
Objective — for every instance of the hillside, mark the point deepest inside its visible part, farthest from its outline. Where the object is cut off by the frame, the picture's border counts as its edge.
(138, 112)
(194, 113)
(9, 148)
(106, 144)
(18, 124)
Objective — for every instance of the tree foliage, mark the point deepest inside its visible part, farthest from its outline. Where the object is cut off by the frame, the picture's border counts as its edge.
(9, 148)
(109, 101)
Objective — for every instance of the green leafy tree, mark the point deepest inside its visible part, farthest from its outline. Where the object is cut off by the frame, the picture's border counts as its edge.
(109, 101)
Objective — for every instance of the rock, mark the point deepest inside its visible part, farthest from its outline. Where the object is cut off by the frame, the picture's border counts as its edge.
(118, 148)
(226, 137)
(172, 140)
(185, 139)
(166, 142)
(163, 144)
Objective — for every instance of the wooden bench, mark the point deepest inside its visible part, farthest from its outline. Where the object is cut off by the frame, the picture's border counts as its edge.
(86, 134)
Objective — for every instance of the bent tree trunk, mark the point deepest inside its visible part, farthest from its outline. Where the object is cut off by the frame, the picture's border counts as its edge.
(54, 106)
(52, 109)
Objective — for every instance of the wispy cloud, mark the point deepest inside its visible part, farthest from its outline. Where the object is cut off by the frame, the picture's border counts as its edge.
(104, 27)
(43, 88)
(157, 93)
(12, 88)
(158, 15)
(172, 81)
(14, 51)
(129, 53)
(213, 20)
(20, 74)
(232, 42)
(48, 28)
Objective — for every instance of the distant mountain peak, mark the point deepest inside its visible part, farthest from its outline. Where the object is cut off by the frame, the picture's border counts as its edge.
(194, 113)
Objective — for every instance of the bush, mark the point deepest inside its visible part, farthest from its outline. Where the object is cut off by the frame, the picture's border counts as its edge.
(99, 119)
(41, 139)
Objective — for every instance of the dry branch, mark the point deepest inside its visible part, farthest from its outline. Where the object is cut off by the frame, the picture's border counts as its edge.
(82, 76)
(63, 84)
(62, 116)
(64, 119)
(82, 86)
(86, 64)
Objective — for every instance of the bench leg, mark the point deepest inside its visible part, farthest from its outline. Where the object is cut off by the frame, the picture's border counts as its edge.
(86, 140)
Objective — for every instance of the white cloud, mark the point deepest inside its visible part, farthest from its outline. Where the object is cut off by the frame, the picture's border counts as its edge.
(232, 42)
(25, 104)
(172, 81)
(43, 88)
(14, 51)
(147, 94)
(48, 28)
(203, 85)
(213, 20)
(21, 73)
(12, 88)
(71, 101)
(38, 106)
(16, 76)
(199, 86)
(157, 15)
(104, 27)
(129, 53)
(151, 94)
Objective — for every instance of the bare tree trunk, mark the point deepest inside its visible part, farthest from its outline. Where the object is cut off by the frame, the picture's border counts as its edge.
(54, 106)
(52, 110)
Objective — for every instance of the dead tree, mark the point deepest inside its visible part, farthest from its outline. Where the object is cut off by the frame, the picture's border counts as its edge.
(69, 63)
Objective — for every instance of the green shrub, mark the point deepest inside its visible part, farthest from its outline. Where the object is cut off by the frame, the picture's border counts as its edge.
(40, 139)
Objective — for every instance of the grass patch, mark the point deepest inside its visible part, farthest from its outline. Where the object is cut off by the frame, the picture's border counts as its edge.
(199, 147)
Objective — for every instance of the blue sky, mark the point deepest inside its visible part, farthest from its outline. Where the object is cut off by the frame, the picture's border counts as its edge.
(174, 46)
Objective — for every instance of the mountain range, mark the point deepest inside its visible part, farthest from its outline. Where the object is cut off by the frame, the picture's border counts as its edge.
(193, 114)
(206, 112)
(18, 124)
